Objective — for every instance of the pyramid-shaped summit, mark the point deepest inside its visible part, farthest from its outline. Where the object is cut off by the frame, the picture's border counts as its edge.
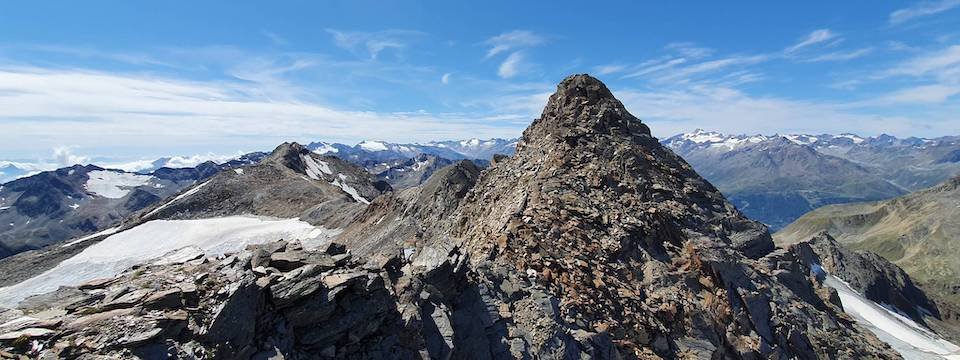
(584, 104)
(588, 154)
(634, 244)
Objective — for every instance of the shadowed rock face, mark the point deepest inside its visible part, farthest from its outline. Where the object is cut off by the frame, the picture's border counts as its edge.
(593, 241)
(871, 275)
(410, 218)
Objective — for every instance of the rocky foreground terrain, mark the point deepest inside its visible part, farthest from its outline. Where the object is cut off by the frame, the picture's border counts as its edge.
(592, 241)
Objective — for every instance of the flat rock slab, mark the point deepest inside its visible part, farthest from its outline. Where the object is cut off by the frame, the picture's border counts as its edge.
(28, 332)
(335, 280)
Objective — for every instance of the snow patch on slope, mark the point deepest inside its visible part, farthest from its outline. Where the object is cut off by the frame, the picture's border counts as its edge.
(801, 139)
(341, 182)
(181, 196)
(903, 334)
(315, 168)
(153, 239)
(109, 231)
(113, 184)
(853, 137)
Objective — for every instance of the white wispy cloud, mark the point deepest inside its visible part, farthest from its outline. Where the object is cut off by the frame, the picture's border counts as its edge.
(840, 55)
(689, 50)
(923, 94)
(79, 51)
(64, 156)
(275, 38)
(510, 67)
(654, 66)
(45, 107)
(445, 78)
(815, 37)
(922, 9)
(609, 69)
(713, 65)
(941, 64)
(512, 40)
(373, 42)
(931, 77)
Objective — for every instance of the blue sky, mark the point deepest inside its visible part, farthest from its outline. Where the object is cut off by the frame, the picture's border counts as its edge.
(116, 81)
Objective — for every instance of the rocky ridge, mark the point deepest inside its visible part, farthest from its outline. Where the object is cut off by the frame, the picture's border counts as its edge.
(290, 182)
(871, 275)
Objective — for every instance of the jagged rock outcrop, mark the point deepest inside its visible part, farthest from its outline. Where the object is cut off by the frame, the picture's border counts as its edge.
(869, 274)
(592, 241)
(404, 219)
(320, 305)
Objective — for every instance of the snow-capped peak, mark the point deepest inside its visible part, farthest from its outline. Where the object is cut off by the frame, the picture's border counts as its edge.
(470, 142)
(324, 148)
(856, 139)
(802, 139)
(370, 145)
(700, 136)
(713, 139)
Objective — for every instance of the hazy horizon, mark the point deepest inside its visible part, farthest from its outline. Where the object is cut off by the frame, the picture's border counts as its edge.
(115, 82)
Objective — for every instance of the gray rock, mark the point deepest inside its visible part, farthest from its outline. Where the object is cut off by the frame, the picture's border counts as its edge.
(166, 299)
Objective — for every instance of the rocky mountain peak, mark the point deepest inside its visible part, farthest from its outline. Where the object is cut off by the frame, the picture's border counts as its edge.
(588, 158)
(951, 184)
(288, 149)
(623, 233)
(583, 105)
(290, 155)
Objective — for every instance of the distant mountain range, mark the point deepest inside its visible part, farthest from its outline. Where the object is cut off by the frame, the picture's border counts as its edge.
(46, 207)
(378, 151)
(778, 178)
(774, 179)
(11, 170)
